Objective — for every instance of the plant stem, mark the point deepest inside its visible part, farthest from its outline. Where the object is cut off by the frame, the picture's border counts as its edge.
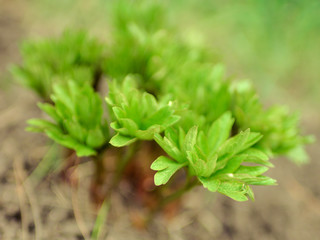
(99, 168)
(170, 198)
(97, 192)
(96, 78)
(131, 151)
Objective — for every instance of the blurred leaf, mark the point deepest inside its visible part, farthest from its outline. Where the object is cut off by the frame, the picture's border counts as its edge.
(166, 168)
(120, 140)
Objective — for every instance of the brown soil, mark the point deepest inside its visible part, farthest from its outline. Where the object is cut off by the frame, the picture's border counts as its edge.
(51, 209)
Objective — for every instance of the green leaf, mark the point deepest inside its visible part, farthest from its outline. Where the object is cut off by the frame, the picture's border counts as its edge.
(172, 135)
(255, 180)
(116, 126)
(137, 113)
(235, 190)
(39, 125)
(212, 184)
(171, 120)
(149, 133)
(160, 117)
(238, 143)
(256, 153)
(169, 147)
(235, 144)
(129, 125)
(232, 165)
(298, 155)
(181, 136)
(190, 139)
(75, 130)
(253, 138)
(119, 112)
(232, 188)
(95, 138)
(50, 110)
(166, 168)
(254, 171)
(119, 140)
(69, 142)
(219, 131)
(202, 168)
(149, 100)
(257, 156)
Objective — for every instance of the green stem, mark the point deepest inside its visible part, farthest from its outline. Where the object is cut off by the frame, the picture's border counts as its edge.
(97, 190)
(131, 151)
(170, 198)
(100, 171)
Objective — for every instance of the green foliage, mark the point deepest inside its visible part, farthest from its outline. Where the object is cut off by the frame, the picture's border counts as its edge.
(278, 126)
(138, 115)
(138, 36)
(206, 83)
(214, 158)
(150, 16)
(165, 88)
(74, 55)
(146, 44)
(77, 119)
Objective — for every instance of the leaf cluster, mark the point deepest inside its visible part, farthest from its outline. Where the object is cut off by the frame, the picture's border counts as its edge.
(161, 87)
(137, 114)
(77, 120)
(278, 126)
(219, 161)
(46, 61)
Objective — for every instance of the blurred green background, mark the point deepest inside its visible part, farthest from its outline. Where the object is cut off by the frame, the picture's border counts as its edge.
(274, 43)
